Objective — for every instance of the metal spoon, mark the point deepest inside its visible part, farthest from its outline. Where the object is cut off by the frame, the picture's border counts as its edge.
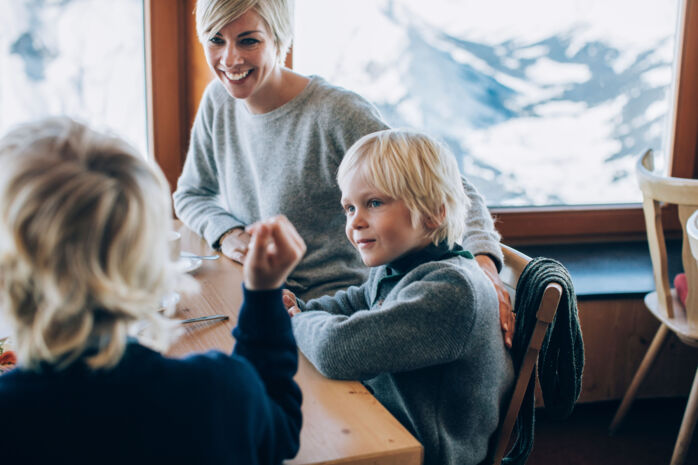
(201, 257)
(205, 318)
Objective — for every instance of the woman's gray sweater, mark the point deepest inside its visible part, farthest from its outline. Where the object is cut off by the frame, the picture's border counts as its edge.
(244, 167)
(423, 334)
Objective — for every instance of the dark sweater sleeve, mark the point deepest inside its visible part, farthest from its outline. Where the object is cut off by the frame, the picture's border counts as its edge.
(264, 337)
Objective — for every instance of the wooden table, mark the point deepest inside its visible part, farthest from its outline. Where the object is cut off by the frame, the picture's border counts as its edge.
(342, 422)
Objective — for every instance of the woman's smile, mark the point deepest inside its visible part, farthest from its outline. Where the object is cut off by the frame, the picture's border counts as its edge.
(237, 77)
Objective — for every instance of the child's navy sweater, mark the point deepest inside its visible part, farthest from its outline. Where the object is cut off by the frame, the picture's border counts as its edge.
(212, 408)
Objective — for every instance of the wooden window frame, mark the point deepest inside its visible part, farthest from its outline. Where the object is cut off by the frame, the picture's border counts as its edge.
(177, 75)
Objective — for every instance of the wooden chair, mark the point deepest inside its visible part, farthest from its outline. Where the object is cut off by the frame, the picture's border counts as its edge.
(514, 264)
(663, 303)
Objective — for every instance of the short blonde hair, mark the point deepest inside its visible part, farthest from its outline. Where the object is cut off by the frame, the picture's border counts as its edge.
(411, 166)
(213, 15)
(82, 255)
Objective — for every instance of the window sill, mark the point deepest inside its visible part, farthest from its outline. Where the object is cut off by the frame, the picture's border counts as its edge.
(610, 269)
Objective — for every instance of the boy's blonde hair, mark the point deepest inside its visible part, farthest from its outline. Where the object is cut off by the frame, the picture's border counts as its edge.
(213, 15)
(83, 252)
(411, 166)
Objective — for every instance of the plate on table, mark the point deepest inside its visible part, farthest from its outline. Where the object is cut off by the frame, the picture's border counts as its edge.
(188, 264)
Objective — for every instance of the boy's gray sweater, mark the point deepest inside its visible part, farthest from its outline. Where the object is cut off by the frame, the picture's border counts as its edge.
(244, 167)
(423, 334)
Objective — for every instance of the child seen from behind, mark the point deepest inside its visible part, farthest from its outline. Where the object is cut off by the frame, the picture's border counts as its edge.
(83, 257)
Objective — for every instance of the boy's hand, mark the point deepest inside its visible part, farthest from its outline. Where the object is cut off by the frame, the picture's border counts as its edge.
(507, 318)
(275, 249)
(234, 244)
(289, 299)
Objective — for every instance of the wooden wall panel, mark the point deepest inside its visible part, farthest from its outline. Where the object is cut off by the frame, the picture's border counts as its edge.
(684, 150)
(166, 77)
(198, 72)
(616, 336)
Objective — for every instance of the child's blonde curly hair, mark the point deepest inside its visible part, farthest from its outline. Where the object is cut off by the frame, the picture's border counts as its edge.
(82, 251)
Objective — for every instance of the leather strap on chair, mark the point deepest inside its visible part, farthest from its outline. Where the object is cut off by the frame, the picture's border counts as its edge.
(561, 358)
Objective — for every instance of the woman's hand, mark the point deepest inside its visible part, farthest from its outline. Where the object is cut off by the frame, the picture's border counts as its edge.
(234, 244)
(275, 250)
(507, 318)
(289, 299)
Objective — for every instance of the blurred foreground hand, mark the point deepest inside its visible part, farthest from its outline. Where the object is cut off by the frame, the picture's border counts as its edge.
(274, 251)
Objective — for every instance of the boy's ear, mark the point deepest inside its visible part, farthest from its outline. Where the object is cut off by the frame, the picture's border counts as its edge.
(434, 221)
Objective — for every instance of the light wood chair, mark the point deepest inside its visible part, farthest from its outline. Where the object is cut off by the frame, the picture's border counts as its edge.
(514, 264)
(664, 303)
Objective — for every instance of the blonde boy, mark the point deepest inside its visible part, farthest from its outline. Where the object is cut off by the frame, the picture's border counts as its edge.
(423, 331)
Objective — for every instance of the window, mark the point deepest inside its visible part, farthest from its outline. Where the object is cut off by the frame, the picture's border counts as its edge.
(82, 58)
(569, 220)
(544, 102)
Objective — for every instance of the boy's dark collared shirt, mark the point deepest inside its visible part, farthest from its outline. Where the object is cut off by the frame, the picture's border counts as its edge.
(429, 253)
(396, 269)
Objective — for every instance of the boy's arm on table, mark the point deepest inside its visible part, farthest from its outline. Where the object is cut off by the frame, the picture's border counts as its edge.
(344, 302)
(420, 328)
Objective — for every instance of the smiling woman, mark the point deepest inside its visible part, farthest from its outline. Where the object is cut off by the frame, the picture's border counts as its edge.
(267, 141)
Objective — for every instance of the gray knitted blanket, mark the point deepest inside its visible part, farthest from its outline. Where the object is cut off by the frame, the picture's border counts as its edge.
(561, 358)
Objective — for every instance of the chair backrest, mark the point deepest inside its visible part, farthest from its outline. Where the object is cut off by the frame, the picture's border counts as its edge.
(683, 193)
(514, 264)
